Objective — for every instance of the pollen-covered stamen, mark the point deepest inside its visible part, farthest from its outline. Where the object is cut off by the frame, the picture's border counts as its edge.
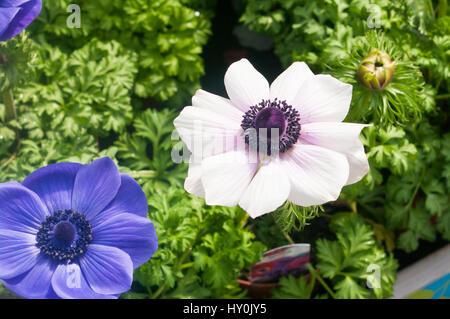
(64, 235)
(272, 115)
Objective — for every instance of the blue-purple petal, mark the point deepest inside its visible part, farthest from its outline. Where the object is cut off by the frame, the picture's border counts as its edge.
(108, 270)
(54, 184)
(36, 283)
(18, 253)
(69, 282)
(133, 234)
(27, 12)
(6, 16)
(129, 199)
(96, 185)
(21, 209)
(12, 3)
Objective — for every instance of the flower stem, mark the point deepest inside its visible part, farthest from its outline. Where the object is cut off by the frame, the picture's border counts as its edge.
(316, 275)
(143, 174)
(286, 235)
(442, 8)
(178, 265)
(243, 222)
(159, 291)
(442, 96)
(416, 189)
(10, 108)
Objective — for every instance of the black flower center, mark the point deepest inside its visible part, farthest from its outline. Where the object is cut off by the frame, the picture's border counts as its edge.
(65, 235)
(266, 121)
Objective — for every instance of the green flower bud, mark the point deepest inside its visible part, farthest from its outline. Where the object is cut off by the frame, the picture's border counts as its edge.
(376, 70)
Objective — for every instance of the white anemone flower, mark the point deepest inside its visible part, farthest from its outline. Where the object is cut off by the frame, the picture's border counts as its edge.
(317, 153)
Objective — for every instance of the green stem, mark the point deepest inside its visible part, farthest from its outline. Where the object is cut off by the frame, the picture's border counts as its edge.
(10, 108)
(143, 174)
(159, 291)
(416, 189)
(430, 8)
(442, 96)
(187, 265)
(286, 235)
(368, 208)
(442, 8)
(316, 275)
(244, 220)
(178, 265)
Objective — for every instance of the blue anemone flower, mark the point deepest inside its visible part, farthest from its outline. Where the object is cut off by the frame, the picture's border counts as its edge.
(73, 231)
(16, 15)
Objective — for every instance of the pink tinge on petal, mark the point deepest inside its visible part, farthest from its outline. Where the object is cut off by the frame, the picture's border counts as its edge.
(288, 85)
(323, 99)
(207, 133)
(317, 174)
(359, 165)
(221, 106)
(245, 85)
(342, 138)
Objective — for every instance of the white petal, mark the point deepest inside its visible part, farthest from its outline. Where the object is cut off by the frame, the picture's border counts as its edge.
(323, 99)
(359, 165)
(268, 190)
(317, 174)
(193, 183)
(206, 132)
(226, 176)
(217, 104)
(245, 85)
(343, 138)
(289, 83)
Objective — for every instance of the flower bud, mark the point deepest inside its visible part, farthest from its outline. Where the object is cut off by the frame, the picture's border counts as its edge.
(376, 70)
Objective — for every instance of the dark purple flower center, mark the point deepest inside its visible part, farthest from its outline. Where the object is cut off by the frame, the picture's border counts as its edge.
(65, 235)
(270, 118)
(266, 121)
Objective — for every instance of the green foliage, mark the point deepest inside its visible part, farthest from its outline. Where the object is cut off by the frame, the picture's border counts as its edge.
(389, 149)
(148, 150)
(292, 288)
(290, 216)
(427, 40)
(90, 92)
(167, 36)
(316, 32)
(417, 203)
(30, 154)
(354, 264)
(90, 89)
(405, 194)
(202, 249)
(17, 59)
(76, 97)
(405, 98)
(348, 261)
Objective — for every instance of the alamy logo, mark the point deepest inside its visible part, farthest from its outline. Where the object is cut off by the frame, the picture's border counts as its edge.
(373, 21)
(73, 276)
(374, 277)
(74, 20)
